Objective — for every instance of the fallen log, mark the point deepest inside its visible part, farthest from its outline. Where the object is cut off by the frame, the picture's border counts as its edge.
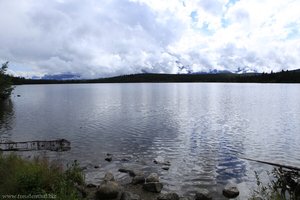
(52, 145)
(273, 164)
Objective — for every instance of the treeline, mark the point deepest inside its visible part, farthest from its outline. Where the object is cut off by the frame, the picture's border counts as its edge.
(279, 77)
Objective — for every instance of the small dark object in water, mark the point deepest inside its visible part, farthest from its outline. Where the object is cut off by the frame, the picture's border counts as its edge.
(108, 157)
(18, 95)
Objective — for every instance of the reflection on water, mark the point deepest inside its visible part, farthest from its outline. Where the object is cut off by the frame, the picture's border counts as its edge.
(6, 119)
(200, 128)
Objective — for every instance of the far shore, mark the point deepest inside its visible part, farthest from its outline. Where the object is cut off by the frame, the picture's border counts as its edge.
(279, 77)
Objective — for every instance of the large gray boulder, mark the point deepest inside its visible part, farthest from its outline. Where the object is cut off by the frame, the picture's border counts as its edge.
(153, 177)
(231, 191)
(168, 196)
(108, 190)
(155, 187)
(203, 194)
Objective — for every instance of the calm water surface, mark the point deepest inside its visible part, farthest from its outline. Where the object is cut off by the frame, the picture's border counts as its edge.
(201, 128)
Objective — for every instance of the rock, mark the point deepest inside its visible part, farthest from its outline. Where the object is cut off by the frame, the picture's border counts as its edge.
(297, 190)
(91, 185)
(134, 173)
(160, 160)
(131, 172)
(203, 194)
(185, 198)
(108, 190)
(153, 177)
(231, 191)
(109, 177)
(165, 167)
(96, 166)
(129, 196)
(108, 157)
(257, 198)
(168, 196)
(138, 180)
(167, 163)
(124, 170)
(153, 187)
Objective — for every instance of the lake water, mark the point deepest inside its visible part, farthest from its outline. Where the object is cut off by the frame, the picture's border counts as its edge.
(201, 128)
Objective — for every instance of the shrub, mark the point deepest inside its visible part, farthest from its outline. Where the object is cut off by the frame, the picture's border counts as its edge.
(282, 185)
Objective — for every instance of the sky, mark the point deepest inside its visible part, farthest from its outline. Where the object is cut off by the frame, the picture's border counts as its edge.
(101, 38)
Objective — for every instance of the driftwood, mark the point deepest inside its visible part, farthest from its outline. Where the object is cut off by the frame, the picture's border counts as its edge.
(52, 145)
(274, 164)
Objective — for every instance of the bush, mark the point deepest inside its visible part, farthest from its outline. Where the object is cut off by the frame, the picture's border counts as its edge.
(283, 185)
(5, 82)
(38, 177)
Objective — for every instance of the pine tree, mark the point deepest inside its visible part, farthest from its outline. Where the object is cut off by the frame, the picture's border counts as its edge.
(5, 82)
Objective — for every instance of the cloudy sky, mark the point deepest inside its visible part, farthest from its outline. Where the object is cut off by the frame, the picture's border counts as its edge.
(99, 38)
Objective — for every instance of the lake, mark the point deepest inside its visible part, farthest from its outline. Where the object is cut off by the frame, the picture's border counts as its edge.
(203, 129)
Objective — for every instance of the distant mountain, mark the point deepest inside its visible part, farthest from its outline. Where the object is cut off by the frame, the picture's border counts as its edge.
(66, 76)
(214, 71)
(245, 70)
(240, 70)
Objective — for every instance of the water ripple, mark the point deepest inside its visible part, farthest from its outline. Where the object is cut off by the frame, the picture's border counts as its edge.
(202, 129)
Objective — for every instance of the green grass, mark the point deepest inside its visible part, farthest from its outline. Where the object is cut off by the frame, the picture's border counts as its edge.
(38, 177)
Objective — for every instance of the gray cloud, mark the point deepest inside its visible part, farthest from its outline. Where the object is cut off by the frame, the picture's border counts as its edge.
(106, 38)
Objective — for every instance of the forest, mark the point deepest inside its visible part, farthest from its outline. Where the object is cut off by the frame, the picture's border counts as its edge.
(278, 77)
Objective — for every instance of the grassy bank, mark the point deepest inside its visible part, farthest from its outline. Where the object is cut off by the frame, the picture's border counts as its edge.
(40, 179)
(37, 177)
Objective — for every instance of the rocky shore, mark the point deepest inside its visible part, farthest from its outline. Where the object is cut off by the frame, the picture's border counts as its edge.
(143, 186)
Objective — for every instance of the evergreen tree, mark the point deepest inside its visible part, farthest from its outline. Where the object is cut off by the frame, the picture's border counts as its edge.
(5, 82)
